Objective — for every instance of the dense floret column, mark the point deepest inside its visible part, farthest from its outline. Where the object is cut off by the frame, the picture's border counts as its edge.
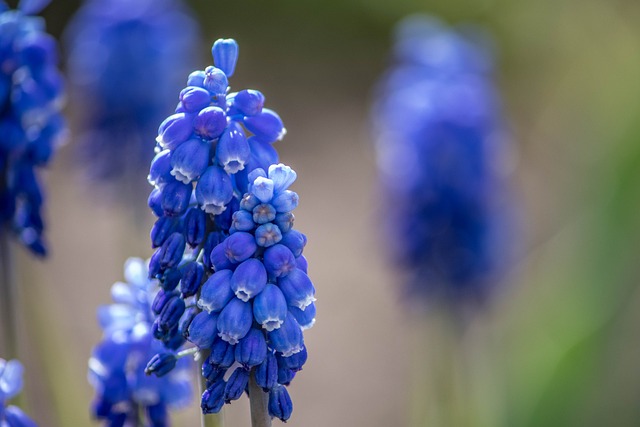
(440, 145)
(230, 263)
(31, 126)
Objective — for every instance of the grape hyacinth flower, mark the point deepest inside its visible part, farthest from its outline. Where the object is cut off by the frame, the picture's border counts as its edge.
(439, 141)
(10, 386)
(225, 239)
(118, 368)
(31, 126)
(126, 62)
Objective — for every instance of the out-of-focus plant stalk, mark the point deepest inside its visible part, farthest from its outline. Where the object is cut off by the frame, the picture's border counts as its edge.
(8, 299)
(258, 401)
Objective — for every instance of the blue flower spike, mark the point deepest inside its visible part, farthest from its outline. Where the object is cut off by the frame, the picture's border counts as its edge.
(447, 208)
(31, 124)
(239, 267)
(121, 364)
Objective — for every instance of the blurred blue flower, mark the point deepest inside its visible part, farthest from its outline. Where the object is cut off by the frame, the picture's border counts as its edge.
(31, 126)
(10, 386)
(441, 151)
(218, 183)
(126, 64)
(124, 391)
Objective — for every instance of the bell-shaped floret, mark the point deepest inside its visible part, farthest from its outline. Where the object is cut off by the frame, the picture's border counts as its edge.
(235, 321)
(233, 149)
(306, 318)
(214, 190)
(297, 289)
(216, 292)
(287, 339)
(202, 329)
(190, 160)
(249, 279)
(266, 126)
(270, 307)
(213, 397)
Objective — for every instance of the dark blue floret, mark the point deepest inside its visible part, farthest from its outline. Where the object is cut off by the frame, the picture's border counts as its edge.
(236, 384)
(280, 405)
(161, 364)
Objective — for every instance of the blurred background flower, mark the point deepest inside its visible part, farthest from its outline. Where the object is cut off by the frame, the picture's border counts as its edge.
(565, 333)
(126, 63)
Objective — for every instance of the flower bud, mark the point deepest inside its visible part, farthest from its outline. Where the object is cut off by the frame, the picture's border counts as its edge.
(215, 81)
(213, 398)
(295, 241)
(285, 201)
(284, 221)
(279, 261)
(252, 349)
(262, 188)
(280, 405)
(171, 313)
(161, 364)
(175, 130)
(195, 226)
(210, 122)
(218, 258)
(192, 275)
(162, 229)
(282, 176)
(239, 246)
(268, 235)
(175, 198)
(161, 299)
(196, 78)
(263, 213)
(171, 251)
(249, 102)
(194, 99)
(225, 55)
(267, 372)
(266, 126)
(242, 221)
(222, 353)
(236, 384)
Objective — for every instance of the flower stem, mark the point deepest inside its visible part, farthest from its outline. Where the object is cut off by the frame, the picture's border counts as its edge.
(258, 400)
(8, 299)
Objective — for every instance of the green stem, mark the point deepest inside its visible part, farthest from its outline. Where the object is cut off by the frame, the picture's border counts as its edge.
(8, 299)
(258, 401)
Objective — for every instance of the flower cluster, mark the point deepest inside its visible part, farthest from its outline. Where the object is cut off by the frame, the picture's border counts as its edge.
(30, 121)
(225, 239)
(10, 386)
(439, 142)
(117, 366)
(126, 61)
